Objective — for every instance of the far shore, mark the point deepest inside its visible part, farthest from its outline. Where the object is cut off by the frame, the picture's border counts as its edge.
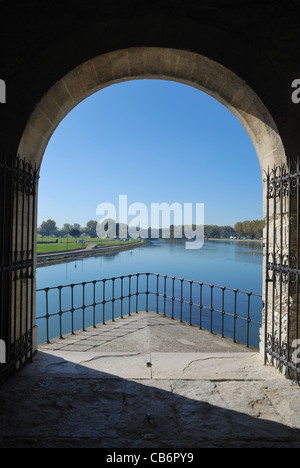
(71, 255)
(65, 256)
(233, 240)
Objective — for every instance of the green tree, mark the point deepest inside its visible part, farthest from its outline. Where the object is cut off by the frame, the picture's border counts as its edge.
(67, 227)
(48, 227)
(74, 232)
(212, 231)
(238, 227)
(91, 228)
(252, 229)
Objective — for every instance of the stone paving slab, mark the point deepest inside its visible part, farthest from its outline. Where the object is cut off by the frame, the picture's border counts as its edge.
(119, 397)
(209, 366)
(144, 332)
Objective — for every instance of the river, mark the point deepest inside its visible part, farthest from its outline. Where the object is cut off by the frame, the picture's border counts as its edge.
(233, 264)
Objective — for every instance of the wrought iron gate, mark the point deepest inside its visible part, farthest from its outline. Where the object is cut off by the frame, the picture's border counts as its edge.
(18, 182)
(282, 237)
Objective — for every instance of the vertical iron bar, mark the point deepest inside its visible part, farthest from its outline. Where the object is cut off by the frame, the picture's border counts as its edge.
(191, 301)
(28, 262)
(22, 257)
(274, 263)
(10, 269)
(289, 187)
(83, 306)
(129, 296)
(165, 293)
(33, 250)
(47, 316)
(223, 310)
(235, 315)
(248, 318)
(137, 293)
(157, 292)
(72, 307)
(113, 300)
(173, 296)
(60, 312)
(201, 305)
(94, 304)
(122, 297)
(147, 292)
(104, 301)
(16, 194)
(297, 263)
(281, 255)
(181, 298)
(211, 306)
(266, 300)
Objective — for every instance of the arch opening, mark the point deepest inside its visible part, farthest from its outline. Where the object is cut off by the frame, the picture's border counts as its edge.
(154, 63)
(170, 130)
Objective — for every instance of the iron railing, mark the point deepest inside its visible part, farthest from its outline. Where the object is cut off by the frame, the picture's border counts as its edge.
(228, 312)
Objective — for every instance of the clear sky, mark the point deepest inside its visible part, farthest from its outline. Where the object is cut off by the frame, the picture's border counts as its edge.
(154, 141)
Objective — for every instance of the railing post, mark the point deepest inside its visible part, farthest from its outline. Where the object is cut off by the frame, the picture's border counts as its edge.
(113, 299)
(83, 306)
(173, 296)
(191, 302)
(94, 304)
(72, 307)
(147, 292)
(248, 317)
(181, 299)
(129, 295)
(223, 309)
(103, 302)
(121, 297)
(165, 293)
(211, 306)
(137, 293)
(47, 315)
(60, 311)
(201, 305)
(235, 315)
(157, 292)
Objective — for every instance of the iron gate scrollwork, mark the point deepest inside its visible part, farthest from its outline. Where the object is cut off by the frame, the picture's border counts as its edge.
(282, 249)
(18, 185)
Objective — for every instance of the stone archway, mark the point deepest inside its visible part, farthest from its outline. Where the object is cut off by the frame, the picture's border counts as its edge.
(153, 63)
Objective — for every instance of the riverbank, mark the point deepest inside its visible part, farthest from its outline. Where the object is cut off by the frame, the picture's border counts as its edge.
(93, 250)
(258, 241)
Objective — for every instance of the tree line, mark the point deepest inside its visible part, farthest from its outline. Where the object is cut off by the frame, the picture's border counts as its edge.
(249, 229)
(50, 227)
(252, 229)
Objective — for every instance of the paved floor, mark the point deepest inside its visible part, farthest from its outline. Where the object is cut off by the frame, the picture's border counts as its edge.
(148, 382)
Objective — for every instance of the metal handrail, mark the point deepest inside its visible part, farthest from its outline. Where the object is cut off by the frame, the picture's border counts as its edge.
(189, 301)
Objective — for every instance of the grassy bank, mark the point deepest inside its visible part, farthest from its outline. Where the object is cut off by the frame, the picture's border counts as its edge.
(61, 244)
(59, 247)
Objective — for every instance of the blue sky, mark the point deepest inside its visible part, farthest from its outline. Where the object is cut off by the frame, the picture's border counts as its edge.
(154, 141)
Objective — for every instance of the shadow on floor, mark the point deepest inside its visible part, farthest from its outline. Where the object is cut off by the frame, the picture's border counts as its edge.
(72, 406)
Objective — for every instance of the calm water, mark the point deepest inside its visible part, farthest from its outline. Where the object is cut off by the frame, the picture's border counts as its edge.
(236, 265)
